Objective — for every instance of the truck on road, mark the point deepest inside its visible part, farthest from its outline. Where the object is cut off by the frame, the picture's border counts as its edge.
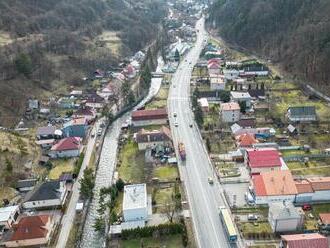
(228, 224)
(182, 151)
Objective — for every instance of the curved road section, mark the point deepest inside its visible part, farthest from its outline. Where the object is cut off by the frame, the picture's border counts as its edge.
(204, 199)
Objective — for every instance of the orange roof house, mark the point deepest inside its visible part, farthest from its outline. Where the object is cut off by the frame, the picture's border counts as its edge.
(246, 140)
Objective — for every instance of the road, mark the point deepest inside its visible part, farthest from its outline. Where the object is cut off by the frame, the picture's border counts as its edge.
(68, 217)
(204, 199)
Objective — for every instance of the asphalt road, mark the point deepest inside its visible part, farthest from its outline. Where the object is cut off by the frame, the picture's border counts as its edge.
(204, 199)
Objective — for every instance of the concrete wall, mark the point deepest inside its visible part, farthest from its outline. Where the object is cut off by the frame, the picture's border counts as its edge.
(42, 204)
(149, 122)
(277, 198)
(263, 169)
(284, 225)
(27, 242)
(64, 154)
(323, 195)
(135, 214)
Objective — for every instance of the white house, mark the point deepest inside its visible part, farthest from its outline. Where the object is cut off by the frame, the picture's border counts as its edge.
(8, 216)
(204, 104)
(66, 148)
(315, 189)
(285, 217)
(217, 82)
(230, 112)
(231, 74)
(48, 195)
(273, 186)
(135, 203)
(237, 96)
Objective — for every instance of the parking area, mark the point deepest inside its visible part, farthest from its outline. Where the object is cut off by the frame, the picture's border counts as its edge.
(235, 193)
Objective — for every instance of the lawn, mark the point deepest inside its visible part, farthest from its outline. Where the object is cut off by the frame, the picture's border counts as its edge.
(313, 171)
(119, 203)
(254, 229)
(60, 166)
(321, 208)
(166, 173)
(162, 197)
(171, 241)
(155, 104)
(131, 163)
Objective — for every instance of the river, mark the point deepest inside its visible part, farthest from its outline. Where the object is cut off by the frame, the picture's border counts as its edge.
(107, 166)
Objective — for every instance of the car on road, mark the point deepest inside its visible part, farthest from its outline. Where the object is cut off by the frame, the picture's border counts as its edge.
(210, 180)
(174, 114)
(99, 132)
(252, 217)
(93, 134)
(176, 124)
(190, 125)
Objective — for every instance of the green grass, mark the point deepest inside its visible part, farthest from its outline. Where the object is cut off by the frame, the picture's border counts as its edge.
(156, 104)
(131, 167)
(166, 173)
(119, 203)
(249, 227)
(321, 208)
(61, 166)
(171, 241)
(313, 171)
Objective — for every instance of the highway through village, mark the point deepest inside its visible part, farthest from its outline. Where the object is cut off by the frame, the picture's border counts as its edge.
(204, 199)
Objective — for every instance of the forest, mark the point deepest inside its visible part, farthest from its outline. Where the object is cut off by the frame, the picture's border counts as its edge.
(295, 34)
(45, 44)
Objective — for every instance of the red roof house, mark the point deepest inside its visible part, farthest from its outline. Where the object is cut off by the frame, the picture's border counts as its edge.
(149, 117)
(31, 231)
(67, 147)
(306, 240)
(262, 160)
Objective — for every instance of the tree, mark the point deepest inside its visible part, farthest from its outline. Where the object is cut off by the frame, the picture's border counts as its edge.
(23, 64)
(199, 115)
(9, 165)
(99, 224)
(208, 144)
(224, 95)
(169, 209)
(242, 106)
(146, 76)
(87, 183)
(120, 184)
(177, 55)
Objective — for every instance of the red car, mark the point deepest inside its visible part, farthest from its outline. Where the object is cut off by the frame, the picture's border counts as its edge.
(307, 207)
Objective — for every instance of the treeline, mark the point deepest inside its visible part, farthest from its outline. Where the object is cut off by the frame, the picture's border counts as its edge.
(295, 33)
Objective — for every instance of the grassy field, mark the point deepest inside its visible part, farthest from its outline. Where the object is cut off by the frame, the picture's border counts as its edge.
(257, 228)
(131, 167)
(61, 166)
(160, 100)
(162, 197)
(172, 241)
(319, 171)
(166, 173)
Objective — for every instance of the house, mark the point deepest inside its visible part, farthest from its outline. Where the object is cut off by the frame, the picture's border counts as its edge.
(230, 112)
(324, 221)
(76, 127)
(306, 240)
(204, 104)
(45, 133)
(315, 189)
(107, 91)
(94, 101)
(47, 195)
(260, 132)
(129, 71)
(26, 184)
(8, 216)
(33, 104)
(246, 140)
(240, 97)
(213, 68)
(217, 82)
(150, 139)
(247, 122)
(135, 203)
(76, 93)
(262, 160)
(149, 117)
(66, 102)
(273, 186)
(66, 148)
(230, 74)
(31, 231)
(301, 114)
(85, 112)
(285, 217)
(255, 70)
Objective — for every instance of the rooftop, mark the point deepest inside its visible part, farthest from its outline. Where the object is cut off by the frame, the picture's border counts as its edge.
(304, 186)
(149, 114)
(284, 210)
(45, 191)
(307, 240)
(31, 227)
(240, 95)
(135, 196)
(246, 140)
(26, 183)
(164, 134)
(302, 110)
(274, 183)
(49, 130)
(203, 102)
(6, 212)
(230, 106)
(263, 158)
(319, 183)
(69, 143)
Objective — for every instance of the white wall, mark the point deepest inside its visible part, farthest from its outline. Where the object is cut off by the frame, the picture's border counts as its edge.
(230, 116)
(323, 195)
(135, 214)
(64, 154)
(277, 198)
(264, 169)
(284, 225)
(42, 204)
(144, 146)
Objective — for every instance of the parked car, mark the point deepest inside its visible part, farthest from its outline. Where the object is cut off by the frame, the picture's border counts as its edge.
(210, 180)
(307, 207)
(252, 217)
(176, 124)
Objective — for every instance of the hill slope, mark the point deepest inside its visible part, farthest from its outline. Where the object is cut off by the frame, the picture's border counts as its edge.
(47, 45)
(295, 33)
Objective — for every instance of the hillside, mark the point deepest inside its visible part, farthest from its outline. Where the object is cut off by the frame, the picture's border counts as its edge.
(45, 45)
(295, 33)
